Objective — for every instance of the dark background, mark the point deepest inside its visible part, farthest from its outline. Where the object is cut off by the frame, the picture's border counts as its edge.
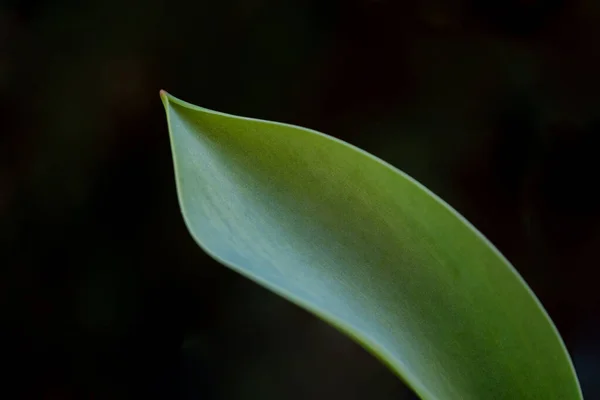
(494, 105)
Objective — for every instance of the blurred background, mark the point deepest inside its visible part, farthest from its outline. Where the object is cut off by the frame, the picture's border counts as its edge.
(494, 105)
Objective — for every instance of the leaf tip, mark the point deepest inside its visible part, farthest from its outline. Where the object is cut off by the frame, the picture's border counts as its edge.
(164, 96)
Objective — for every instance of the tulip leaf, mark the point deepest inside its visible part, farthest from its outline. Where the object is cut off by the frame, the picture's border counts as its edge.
(369, 250)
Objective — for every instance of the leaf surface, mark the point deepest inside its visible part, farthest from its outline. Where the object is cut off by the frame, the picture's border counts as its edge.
(368, 249)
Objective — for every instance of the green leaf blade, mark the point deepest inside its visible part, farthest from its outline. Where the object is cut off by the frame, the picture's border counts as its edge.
(369, 250)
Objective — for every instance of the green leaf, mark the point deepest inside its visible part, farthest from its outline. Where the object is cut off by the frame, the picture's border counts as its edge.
(368, 249)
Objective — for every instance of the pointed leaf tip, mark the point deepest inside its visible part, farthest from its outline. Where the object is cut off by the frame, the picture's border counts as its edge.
(164, 96)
